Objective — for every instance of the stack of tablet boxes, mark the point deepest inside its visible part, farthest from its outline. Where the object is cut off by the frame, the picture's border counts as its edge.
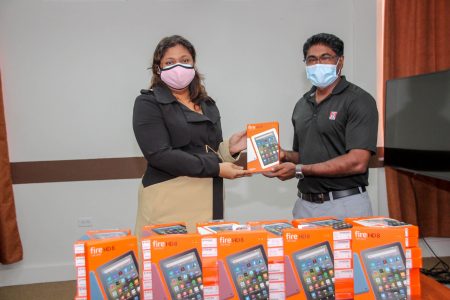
(242, 265)
(106, 265)
(321, 257)
(219, 256)
(387, 258)
(235, 256)
(80, 269)
(168, 253)
(275, 254)
(211, 276)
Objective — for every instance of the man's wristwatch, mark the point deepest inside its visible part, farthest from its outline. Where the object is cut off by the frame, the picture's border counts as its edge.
(298, 172)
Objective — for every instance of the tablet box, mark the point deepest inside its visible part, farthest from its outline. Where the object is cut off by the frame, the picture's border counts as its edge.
(107, 233)
(172, 267)
(342, 251)
(243, 265)
(80, 257)
(275, 254)
(263, 146)
(386, 255)
(111, 268)
(240, 263)
(326, 221)
(311, 264)
(163, 229)
(214, 227)
(409, 233)
(273, 227)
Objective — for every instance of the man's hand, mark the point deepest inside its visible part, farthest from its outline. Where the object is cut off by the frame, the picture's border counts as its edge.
(283, 171)
(289, 156)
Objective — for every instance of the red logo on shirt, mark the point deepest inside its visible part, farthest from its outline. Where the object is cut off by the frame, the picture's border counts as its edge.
(333, 115)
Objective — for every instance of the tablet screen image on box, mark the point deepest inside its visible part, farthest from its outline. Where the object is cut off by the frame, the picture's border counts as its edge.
(277, 228)
(219, 227)
(107, 235)
(333, 223)
(250, 273)
(316, 271)
(386, 269)
(120, 278)
(183, 275)
(172, 229)
(326, 222)
(381, 222)
(266, 147)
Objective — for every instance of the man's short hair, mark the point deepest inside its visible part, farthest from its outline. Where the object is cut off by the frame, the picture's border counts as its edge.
(326, 39)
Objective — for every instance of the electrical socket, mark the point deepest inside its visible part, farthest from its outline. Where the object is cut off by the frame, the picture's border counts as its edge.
(85, 222)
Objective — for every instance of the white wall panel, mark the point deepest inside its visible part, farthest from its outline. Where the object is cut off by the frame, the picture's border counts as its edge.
(72, 69)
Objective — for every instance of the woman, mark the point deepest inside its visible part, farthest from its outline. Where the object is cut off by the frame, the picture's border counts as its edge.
(177, 127)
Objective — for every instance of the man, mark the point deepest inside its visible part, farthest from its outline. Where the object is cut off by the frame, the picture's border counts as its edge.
(335, 126)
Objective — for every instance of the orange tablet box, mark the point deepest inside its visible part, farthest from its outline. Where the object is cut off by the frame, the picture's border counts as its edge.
(275, 254)
(387, 257)
(342, 251)
(273, 227)
(325, 221)
(110, 264)
(313, 268)
(212, 269)
(214, 227)
(172, 266)
(163, 229)
(410, 232)
(263, 146)
(242, 265)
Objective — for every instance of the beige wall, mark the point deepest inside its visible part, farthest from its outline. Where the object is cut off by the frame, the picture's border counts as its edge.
(71, 70)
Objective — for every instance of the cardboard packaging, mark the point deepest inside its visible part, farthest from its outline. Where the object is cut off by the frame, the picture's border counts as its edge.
(172, 266)
(263, 146)
(163, 229)
(340, 245)
(387, 259)
(317, 263)
(214, 227)
(275, 254)
(243, 265)
(106, 265)
(235, 265)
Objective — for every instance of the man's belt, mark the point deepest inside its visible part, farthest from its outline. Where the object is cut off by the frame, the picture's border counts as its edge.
(322, 197)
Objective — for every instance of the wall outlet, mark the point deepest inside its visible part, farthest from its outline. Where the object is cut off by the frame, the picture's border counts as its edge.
(85, 222)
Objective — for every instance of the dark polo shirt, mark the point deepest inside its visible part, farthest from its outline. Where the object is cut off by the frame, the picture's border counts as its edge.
(347, 119)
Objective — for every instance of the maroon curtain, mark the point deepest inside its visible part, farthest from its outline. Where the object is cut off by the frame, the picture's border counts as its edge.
(10, 244)
(417, 41)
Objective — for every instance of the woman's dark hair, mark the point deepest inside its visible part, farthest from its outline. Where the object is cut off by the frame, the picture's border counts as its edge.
(196, 89)
(327, 39)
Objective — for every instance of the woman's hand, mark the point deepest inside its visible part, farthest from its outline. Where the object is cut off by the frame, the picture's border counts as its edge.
(238, 142)
(231, 171)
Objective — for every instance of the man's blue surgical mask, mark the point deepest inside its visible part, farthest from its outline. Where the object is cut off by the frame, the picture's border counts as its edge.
(322, 75)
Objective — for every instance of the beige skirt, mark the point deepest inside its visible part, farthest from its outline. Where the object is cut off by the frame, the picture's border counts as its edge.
(182, 199)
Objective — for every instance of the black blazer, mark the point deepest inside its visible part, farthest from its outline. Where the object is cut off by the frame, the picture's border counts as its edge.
(173, 138)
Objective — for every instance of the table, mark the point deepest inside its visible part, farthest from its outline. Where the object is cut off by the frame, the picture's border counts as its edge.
(433, 290)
